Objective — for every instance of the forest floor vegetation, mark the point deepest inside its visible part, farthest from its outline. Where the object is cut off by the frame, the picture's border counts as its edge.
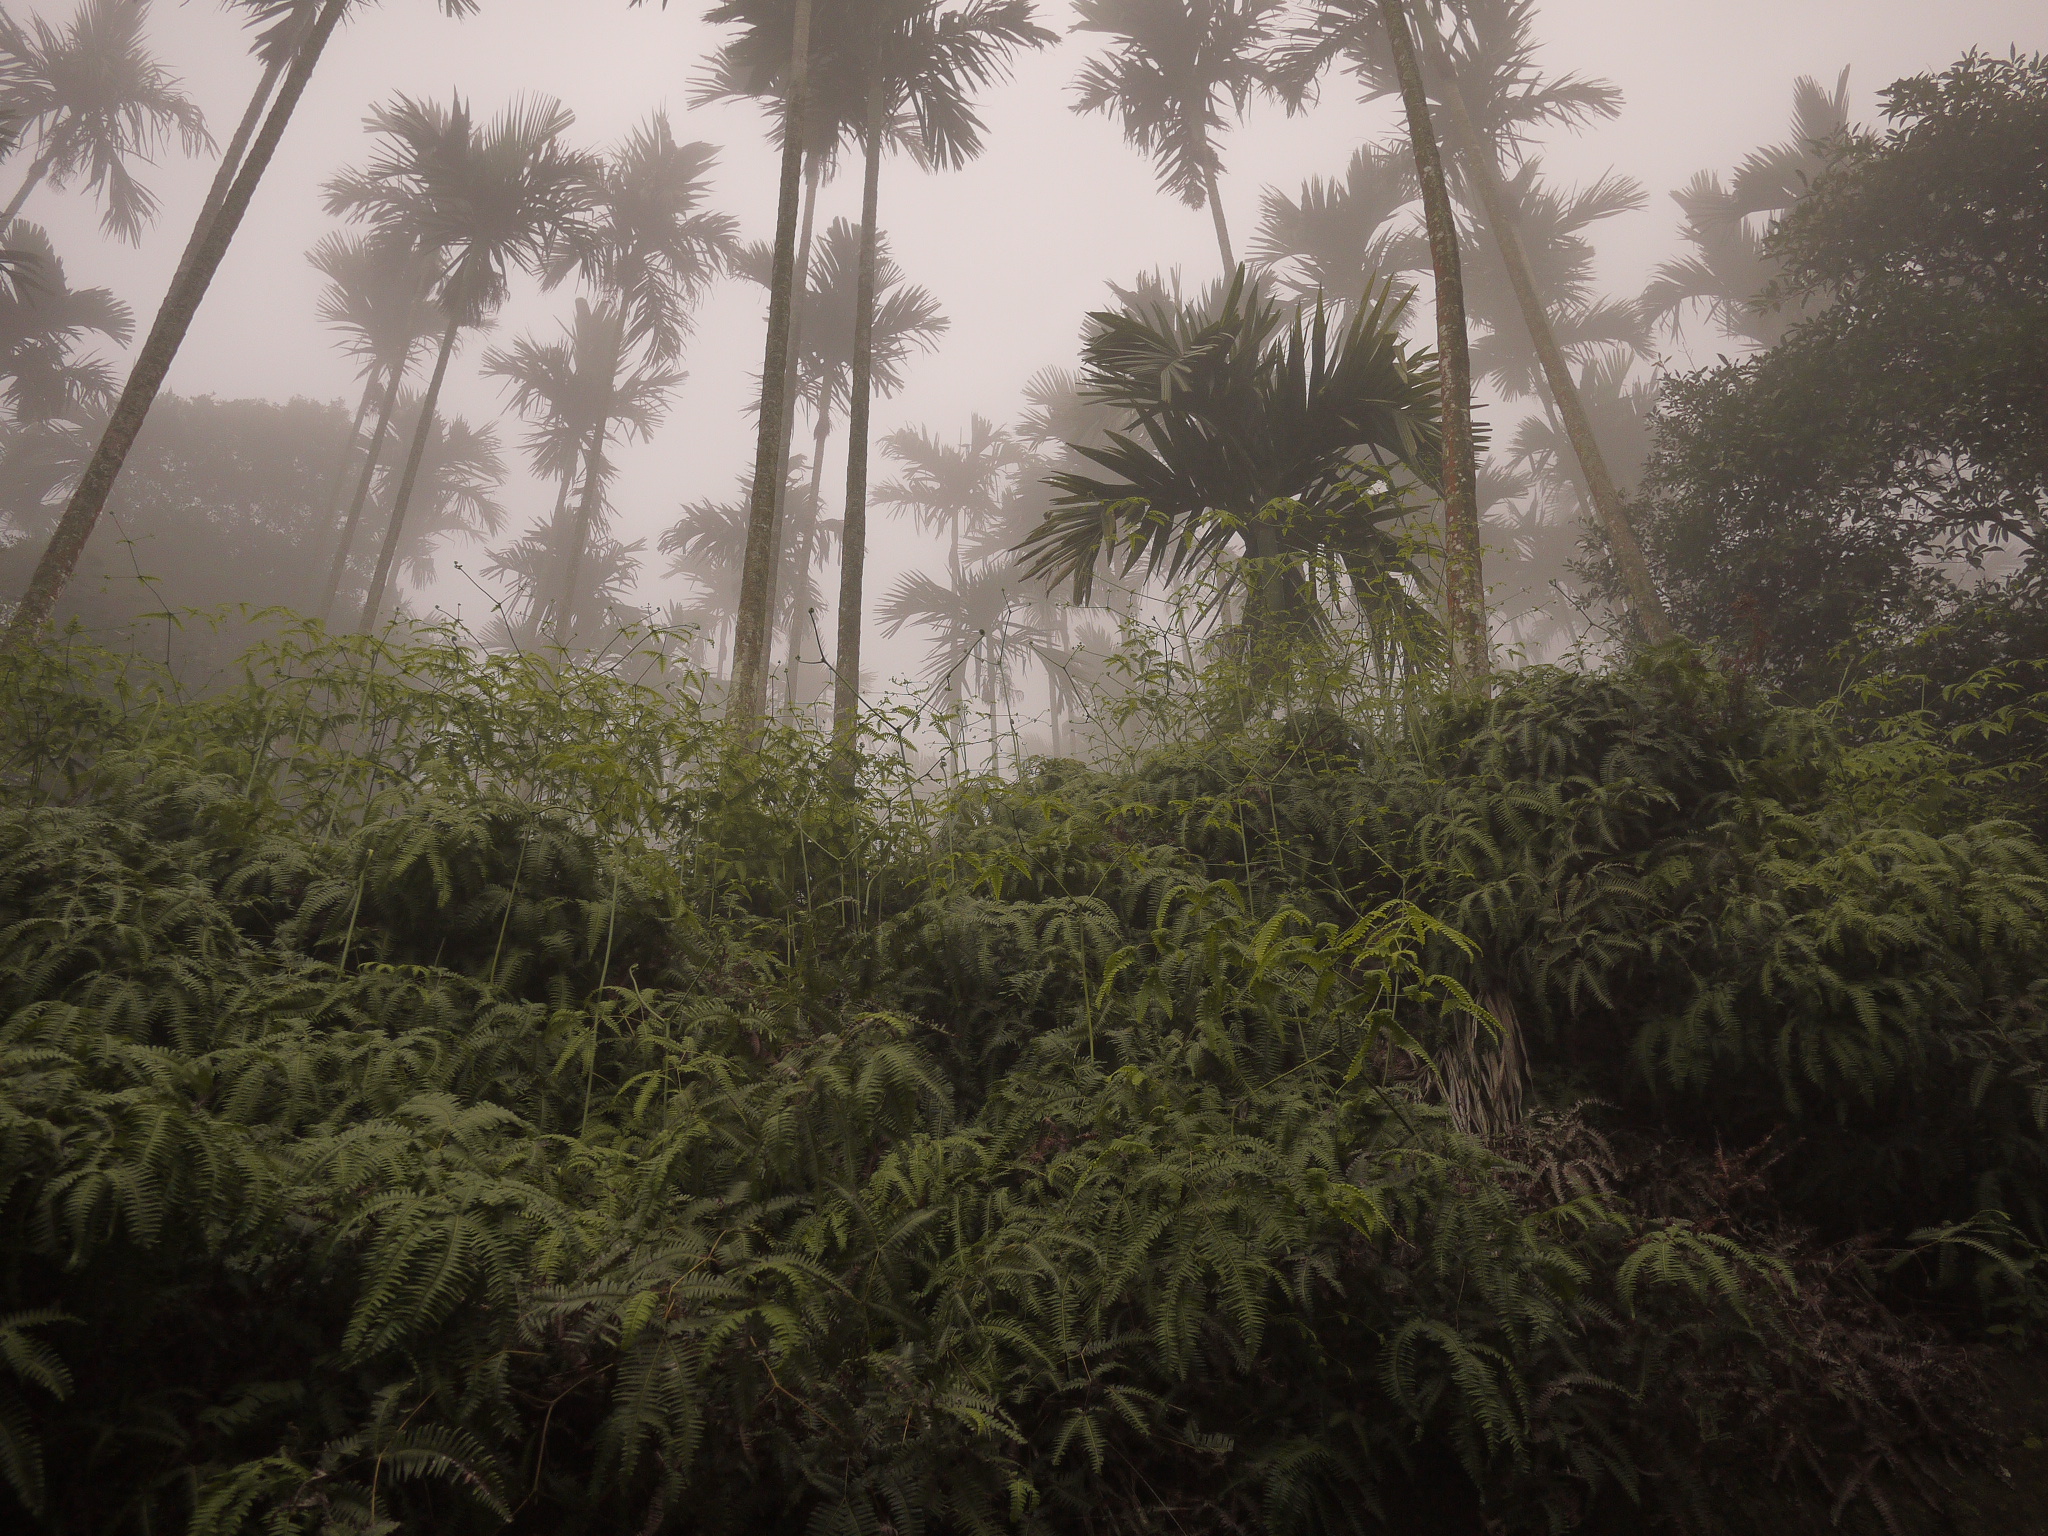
(449, 1091)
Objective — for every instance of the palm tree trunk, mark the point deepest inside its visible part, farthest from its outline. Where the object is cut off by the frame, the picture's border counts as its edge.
(403, 499)
(173, 320)
(389, 404)
(36, 172)
(538, 603)
(1557, 373)
(231, 157)
(579, 536)
(747, 701)
(1464, 591)
(1222, 228)
(853, 530)
(814, 508)
(793, 379)
(338, 480)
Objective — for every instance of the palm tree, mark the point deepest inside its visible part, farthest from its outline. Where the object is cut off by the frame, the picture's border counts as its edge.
(1727, 272)
(907, 319)
(96, 101)
(211, 236)
(785, 30)
(1485, 81)
(920, 64)
(1550, 225)
(1464, 588)
(1342, 237)
(649, 250)
(574, 390)
(1171, 67)
(978, 620)
(958, 486)
(1060, 416)
(1254, 429)
(460, 474)
(532, 564)
(42, 320)
(486, 199)
(377, 298)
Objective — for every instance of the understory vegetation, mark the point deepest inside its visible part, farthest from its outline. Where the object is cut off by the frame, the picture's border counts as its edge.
(450, 1091)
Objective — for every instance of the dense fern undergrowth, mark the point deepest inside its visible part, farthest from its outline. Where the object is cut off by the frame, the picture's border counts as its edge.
(447, 1092)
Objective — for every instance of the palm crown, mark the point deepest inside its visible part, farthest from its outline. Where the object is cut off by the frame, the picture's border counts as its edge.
(95, 100)
(1172, 66)
(42, 320)
(377, 297)
(487, 199)
(1254, 424)
(647, 242)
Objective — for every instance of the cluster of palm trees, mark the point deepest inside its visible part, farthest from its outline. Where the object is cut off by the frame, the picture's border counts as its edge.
(1146, 459)
(451, 208)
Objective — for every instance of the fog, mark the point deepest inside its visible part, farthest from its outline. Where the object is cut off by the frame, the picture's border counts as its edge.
(1016, 247)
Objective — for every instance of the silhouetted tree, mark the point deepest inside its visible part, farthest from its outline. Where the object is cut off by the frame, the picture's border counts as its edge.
(94, 101)
(1170, 69)
(486, 200)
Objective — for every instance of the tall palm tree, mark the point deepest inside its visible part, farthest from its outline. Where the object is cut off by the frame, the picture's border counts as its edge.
(377, 297)
(1172, 66)
(280, 27)
(573, 390)
(1258, 432)
(42, 321)
(649, 250)
(212, 234)
(920, 65)
(460, 474)
(1464, 588)
(1483, 79)
(96, 101)
(487, 199)
(958, 486)
(780, 31)
(1726, 272)
(981, 621)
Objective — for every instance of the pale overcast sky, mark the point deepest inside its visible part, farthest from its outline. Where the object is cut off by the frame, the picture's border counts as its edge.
(1016, 247)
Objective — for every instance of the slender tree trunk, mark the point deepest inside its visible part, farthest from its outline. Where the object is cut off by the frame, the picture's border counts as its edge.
(231, 158)
(539, 605)
(1557, 373)
(748, 699)
(593, 490)
(338, 481)
(1464, 590)
(1222, 228)
(814, 508)
(403, 500)
(792, 391)
(579, 536)
(853, 530)
(395, 378)
(173, 320)
(36, 173)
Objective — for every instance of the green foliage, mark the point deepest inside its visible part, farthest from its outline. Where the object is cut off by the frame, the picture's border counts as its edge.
(1816, 490)
(458, 1092)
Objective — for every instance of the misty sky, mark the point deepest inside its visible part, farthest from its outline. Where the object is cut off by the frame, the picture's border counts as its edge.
(1016, 247)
